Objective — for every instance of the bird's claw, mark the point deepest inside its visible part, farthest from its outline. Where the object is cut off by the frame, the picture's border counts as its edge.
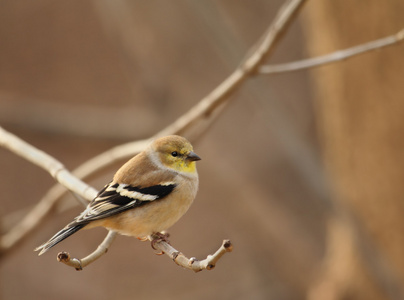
(159, 237)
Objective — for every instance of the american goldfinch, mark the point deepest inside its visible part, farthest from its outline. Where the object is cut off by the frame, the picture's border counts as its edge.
(147, 195)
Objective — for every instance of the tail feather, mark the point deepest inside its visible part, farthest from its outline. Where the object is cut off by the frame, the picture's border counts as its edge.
(59, 236)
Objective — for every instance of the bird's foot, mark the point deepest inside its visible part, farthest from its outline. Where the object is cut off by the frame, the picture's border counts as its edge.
(159, 237)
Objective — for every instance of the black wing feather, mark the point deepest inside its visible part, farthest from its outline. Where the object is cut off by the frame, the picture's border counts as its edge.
(109, 202)
(159, 190)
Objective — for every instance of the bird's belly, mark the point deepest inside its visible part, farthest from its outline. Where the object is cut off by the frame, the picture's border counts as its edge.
(152, 217)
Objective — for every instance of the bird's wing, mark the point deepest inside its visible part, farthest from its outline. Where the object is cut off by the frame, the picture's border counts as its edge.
(115, 198)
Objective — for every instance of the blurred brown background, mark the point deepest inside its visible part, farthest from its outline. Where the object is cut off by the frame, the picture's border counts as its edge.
(303, 171)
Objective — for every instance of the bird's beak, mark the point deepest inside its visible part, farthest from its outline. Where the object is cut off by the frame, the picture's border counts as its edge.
(193, 157)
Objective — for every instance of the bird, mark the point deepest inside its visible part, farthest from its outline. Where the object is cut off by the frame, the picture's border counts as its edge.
(146, 196)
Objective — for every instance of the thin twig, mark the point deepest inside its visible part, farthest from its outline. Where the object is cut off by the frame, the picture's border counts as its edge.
(204, 111)
(192, 263)
(333, 57)
(79, 264)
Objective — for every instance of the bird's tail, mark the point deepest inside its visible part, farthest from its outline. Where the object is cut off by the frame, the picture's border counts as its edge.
(60, 236)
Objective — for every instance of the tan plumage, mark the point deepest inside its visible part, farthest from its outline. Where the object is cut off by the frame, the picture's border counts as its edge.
(147, 195)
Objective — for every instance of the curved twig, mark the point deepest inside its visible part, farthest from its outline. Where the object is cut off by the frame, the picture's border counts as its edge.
(79, 264)
(192, 263)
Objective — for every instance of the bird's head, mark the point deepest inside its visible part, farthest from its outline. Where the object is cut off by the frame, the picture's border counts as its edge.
(176, 153)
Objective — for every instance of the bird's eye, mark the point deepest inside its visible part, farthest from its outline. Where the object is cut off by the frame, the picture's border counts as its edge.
(175, 154)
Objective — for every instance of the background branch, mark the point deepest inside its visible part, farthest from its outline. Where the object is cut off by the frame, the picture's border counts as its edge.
(333, 57)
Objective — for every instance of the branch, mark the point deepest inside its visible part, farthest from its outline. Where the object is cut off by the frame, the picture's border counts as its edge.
(55, 168)
(192, 263)
(180, 259)
(333, 57)
(79, 264)
(205, 111)
(245, 70)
